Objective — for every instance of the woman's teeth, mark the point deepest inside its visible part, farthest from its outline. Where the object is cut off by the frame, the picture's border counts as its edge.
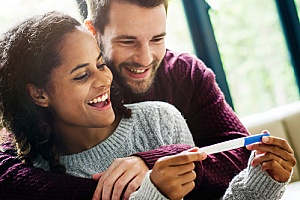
(137, 71)
(101, 98)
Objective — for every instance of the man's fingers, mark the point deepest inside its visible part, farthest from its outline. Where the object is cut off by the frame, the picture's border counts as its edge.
(97, 176)
(98, 192)
(106, 182)
(121, 174)
(109, 184)
(129, 181)
(133, 186)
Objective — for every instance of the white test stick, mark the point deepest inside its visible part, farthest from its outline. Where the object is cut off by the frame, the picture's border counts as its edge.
(233, 144)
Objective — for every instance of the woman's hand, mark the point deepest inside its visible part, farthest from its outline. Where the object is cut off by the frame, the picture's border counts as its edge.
(174, 175)
(275, 156)
(122, 178)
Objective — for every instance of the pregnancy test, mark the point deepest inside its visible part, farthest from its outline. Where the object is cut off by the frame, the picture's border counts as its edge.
(233, 144)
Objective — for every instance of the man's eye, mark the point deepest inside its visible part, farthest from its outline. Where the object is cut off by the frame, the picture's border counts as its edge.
(127, 41)
(157, 39)
(78, 78)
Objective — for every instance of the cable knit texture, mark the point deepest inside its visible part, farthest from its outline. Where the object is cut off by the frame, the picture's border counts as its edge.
(185, 82)
(250, 184)
(152, 124)
(254, 184)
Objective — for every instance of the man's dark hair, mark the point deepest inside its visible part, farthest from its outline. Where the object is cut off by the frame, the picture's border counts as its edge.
(98, 10)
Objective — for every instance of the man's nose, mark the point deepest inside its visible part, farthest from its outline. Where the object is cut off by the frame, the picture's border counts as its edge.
(143, 55)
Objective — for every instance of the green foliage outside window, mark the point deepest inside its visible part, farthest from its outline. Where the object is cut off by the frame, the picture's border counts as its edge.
(254, 54)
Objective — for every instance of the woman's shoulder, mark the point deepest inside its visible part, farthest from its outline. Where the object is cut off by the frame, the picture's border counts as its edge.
(154, 111)
(150, 106)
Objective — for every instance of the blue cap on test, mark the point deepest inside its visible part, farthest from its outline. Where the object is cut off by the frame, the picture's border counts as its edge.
(254, 138)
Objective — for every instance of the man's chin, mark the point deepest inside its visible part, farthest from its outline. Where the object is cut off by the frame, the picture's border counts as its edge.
(138, 89)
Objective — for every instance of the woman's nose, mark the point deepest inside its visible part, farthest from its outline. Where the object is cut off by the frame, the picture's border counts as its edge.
(103, 78)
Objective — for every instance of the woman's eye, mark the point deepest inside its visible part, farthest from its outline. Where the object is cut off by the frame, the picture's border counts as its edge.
(101, 66)
(78, 78)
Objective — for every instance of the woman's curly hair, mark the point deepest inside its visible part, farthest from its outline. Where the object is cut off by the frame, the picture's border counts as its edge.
(29, 52)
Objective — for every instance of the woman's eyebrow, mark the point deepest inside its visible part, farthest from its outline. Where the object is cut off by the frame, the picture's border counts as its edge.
(85, 64)
(79, 66)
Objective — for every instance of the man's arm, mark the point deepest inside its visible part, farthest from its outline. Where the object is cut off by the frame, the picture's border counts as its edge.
(19, 181)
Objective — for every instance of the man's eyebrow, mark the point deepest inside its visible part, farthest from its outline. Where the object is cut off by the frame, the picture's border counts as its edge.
(124, 37)
(133, 37)
(85, 64)
(160, 35)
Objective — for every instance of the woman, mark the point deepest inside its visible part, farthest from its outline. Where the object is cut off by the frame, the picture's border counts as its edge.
(58, 105)
(55, 99)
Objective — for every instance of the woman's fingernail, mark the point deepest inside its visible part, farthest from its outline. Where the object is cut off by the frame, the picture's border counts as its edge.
(265, 139)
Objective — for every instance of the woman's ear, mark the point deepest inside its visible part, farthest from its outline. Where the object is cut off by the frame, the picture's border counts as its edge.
(38, 96)
(89, 25)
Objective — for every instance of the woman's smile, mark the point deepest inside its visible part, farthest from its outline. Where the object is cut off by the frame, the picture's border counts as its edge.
(101, 101)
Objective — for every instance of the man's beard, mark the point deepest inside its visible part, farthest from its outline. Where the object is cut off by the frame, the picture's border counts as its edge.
(121, 81)
(136, 88)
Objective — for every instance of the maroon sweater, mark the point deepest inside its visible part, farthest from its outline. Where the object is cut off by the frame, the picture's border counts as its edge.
(183, 81)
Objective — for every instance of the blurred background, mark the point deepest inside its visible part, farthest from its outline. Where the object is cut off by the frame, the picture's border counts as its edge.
(252, 46)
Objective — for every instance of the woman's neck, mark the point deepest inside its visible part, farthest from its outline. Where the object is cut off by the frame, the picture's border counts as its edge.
(82, 139)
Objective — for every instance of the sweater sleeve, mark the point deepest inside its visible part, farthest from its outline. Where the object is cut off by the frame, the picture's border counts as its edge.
(19, 180)
(147, 191)
(254, 183)
(250, 183)
(211, 120)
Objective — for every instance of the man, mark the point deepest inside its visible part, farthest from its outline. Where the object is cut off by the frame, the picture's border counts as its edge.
(133, 44)
(131, 35)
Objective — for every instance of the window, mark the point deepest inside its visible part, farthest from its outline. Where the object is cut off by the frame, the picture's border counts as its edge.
(297, 2)
(178, 36)
(254, 54)
(13, 11)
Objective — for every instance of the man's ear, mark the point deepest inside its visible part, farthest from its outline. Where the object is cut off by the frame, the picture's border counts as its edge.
(89, 25)
(38, 96)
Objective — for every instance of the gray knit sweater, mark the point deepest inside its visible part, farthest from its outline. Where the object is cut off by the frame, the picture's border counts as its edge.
(152, 125)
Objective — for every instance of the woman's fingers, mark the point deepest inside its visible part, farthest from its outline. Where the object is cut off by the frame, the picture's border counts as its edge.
(275, 156)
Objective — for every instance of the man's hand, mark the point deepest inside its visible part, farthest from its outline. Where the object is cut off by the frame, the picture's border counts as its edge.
(275, 156)
(174, 175)
(121, 179)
